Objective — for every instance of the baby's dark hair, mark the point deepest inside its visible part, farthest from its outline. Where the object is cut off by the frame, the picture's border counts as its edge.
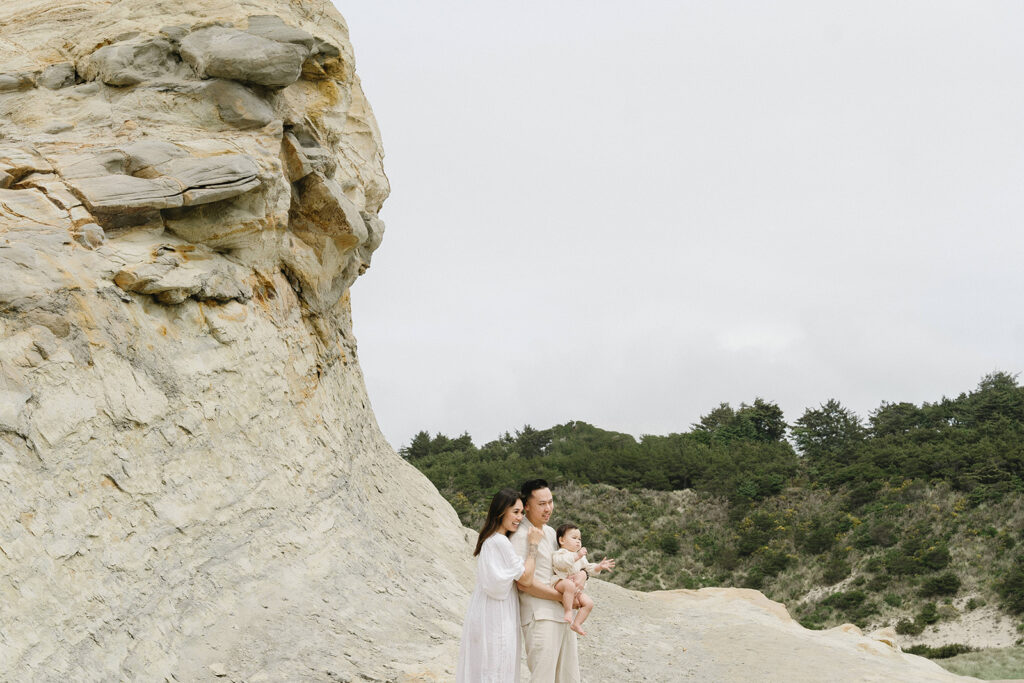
(564, 529)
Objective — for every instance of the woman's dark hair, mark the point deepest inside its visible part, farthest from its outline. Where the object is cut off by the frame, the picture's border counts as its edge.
(564, 529)
(502, 501)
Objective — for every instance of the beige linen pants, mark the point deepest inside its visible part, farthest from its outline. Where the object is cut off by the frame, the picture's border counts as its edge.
(551, 652)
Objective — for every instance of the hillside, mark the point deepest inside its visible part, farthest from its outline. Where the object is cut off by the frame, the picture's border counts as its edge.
(912, 519)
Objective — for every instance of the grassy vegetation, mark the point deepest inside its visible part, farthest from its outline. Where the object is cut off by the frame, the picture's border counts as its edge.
(913, 557)
(993, 664)
(907, 519)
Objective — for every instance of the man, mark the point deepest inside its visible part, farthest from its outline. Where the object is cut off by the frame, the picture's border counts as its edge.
(551, 650)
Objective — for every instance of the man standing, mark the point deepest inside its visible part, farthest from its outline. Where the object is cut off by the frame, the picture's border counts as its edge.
(550, 645)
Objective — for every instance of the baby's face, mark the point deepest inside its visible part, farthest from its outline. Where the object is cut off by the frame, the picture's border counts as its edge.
(571, 540)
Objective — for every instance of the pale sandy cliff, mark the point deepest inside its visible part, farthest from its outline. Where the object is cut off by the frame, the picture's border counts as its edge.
(192, 482)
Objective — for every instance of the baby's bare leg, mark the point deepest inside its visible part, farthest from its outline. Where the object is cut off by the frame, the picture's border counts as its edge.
(568, 590)
(586, 604)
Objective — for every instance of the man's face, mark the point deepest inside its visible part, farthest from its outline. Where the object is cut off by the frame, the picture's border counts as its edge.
(539, 507)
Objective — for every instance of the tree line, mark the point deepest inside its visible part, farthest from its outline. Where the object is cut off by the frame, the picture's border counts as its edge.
(973, 442)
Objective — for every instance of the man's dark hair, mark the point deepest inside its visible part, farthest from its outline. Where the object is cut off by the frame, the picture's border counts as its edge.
(564, 529)
(529, 487)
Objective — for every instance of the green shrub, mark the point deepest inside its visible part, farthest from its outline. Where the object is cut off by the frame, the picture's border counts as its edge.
(884, 534)
(875, 565)
(836, 569)
(917, 556)
(845, 601)
(892, 599)
(983, 494)
(816, 618)
(899, 563)
(936, 557)
(727, 558)
(943, 584)
(906, 627)
(668, 543)
(929, 614)
(877, 583)
(686, 580)
(1011, 587)
(862, 493)
(941, 652)
(820, 537)
(755, 532)
(754, 578)
(773, 561)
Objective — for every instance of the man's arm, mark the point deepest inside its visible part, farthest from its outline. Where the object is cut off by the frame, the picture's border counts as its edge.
(540, 590)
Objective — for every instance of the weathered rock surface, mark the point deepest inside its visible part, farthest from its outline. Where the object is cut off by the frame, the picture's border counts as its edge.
(732, 634)
(218, 52)
(192, 483)
(177, 182)
(131, 62)
(237, 105)
(57, 76)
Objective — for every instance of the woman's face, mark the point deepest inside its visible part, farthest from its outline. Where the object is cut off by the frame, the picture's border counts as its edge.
(512, 517)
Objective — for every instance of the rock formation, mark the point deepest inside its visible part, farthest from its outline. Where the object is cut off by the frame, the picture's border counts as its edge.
(192, 482)
(191, 479)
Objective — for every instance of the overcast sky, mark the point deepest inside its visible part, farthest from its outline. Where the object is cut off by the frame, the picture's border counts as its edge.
(627, 213)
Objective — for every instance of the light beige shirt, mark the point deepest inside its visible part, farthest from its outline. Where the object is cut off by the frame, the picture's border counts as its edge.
(530, 607)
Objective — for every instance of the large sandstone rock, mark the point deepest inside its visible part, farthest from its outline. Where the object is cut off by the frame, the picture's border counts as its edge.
(192, 483)
(191, 479)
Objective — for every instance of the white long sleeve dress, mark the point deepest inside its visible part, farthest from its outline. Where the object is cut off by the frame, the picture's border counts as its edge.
(489, 652)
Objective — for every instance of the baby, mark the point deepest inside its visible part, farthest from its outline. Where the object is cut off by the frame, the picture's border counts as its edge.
(565, 562)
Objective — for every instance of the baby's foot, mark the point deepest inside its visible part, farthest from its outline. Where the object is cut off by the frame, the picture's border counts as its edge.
(568, 616)
(578, 629)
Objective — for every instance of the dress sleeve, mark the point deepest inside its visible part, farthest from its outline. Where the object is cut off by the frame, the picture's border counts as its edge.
(518, 543)
(498, 567)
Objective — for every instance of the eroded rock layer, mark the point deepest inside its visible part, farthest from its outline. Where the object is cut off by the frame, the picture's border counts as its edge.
(192, 483)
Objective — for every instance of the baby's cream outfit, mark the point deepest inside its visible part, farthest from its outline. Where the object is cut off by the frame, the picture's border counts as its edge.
(564, 563)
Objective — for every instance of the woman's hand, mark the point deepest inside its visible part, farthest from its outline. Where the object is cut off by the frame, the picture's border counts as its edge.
(534, 536)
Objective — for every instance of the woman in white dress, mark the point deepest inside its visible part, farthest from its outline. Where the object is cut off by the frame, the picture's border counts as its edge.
(489, 652)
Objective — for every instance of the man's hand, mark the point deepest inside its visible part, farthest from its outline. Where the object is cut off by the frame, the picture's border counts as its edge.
(605, 565)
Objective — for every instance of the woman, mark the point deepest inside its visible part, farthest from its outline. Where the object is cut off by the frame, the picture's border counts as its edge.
(489, 652)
